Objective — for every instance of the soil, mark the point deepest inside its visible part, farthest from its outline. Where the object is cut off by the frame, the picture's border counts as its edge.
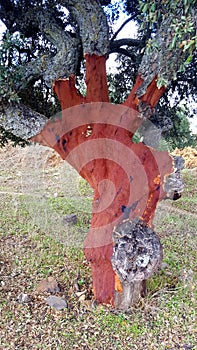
(189, 154)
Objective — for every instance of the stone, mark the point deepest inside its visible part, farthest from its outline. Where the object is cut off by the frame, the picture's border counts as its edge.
(56, 302)
(23, 298)
(70, 219)
(49, 285)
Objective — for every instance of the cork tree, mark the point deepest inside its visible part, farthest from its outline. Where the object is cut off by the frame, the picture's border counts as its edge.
(46, 44)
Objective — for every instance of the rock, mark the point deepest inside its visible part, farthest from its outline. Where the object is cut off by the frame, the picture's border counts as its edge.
(49, 285)
(23, 298)
(56, 302)
(70, 220)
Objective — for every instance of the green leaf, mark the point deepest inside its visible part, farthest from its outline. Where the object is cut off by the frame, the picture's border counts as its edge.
(189, 59)
(161, 82)
(145, 8)
(173, 43)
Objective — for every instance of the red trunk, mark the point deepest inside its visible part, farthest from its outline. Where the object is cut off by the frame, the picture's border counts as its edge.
(96, 139)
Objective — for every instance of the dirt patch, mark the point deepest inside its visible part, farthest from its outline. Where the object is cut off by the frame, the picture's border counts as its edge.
(189, 154)
(18, 155)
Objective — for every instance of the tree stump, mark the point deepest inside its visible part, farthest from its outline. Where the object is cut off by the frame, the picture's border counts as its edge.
(137, 254)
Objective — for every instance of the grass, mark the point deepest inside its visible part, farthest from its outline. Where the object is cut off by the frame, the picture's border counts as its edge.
(35, 245)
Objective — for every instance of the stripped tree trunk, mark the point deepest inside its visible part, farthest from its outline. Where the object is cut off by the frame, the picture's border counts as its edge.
(101, 171)
(95, 137)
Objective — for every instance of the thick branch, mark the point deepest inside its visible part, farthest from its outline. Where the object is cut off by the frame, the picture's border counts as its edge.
(124, 52)
(161, 60)
(125, 42)
(48, 66)
(61, 39)
(92, 23)
(116, 47)
(21, 120)
(151, 95)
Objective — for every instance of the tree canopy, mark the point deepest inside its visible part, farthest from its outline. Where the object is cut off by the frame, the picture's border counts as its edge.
(166, 116)
(47, 40)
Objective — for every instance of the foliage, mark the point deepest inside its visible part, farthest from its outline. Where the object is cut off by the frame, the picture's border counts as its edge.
(24, 42)
(148, 16)
(9, 61)
(180, 136)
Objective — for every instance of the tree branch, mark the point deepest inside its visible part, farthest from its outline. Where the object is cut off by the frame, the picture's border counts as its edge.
(48, 66)
(21, 120)
(124, 52)
(125, 42)
(115, 47)
(92, 23)
(121, 27)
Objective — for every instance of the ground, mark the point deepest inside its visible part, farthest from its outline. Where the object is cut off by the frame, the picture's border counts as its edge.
(37, 191)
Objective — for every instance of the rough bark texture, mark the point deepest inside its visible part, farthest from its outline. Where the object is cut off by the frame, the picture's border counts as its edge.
(137, 254)
(21, 120)
(92, 24)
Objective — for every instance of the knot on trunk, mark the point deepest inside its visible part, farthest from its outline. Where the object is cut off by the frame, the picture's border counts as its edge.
(137, 251)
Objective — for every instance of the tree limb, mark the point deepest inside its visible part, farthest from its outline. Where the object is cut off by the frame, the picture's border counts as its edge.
(125, 42)
(115, 47)
(92, 23)
(21, 120)
(48, 66)
(121, 27)
(124, 52)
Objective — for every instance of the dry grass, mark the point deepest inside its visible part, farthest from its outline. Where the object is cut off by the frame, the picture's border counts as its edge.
(34, 247)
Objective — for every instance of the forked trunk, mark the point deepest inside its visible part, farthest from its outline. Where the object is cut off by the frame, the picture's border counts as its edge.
(127, 178)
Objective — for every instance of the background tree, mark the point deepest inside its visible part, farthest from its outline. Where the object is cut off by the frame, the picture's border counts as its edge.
(183, 89)
(47, 44)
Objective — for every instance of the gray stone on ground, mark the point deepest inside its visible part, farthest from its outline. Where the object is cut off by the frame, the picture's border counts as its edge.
(23, 298)
(70, 219)
(56, 302)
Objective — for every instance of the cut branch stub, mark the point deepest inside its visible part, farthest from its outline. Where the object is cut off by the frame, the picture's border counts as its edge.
(137, 254)
(173, 184)
(137, 251)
